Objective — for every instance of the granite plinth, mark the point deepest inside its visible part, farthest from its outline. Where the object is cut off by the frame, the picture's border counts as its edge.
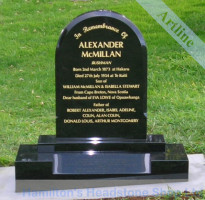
(43, 162)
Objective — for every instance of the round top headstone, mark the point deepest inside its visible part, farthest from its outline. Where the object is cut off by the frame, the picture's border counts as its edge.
(101, 78)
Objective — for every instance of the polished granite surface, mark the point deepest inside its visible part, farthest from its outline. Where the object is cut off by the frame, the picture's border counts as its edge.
(92, 164)
(97, 189)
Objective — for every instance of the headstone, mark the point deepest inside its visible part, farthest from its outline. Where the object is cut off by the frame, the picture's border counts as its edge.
(101, 110)
(101, 78)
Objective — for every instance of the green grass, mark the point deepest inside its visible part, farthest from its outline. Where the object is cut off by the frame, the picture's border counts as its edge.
(28, 36)
(171, 195)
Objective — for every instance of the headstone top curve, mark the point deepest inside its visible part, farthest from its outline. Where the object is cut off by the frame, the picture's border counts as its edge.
(102, 13)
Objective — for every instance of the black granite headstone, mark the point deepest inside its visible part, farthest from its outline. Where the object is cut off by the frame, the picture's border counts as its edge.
(101, 78)
(101, 109)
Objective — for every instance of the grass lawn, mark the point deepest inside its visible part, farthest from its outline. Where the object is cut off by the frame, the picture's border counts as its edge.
(28, 36)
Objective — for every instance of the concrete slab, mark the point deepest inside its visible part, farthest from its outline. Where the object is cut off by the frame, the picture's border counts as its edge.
(196, 183)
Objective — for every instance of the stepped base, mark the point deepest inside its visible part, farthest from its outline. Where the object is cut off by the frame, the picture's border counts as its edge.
(46, 162)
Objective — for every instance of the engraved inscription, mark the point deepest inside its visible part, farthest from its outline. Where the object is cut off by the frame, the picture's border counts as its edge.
(101, 79)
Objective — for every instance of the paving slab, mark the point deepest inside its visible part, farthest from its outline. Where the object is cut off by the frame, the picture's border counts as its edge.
(195, 183)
